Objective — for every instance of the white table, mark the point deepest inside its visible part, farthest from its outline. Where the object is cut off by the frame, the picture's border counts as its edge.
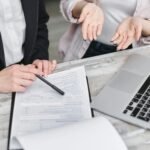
(99, 70)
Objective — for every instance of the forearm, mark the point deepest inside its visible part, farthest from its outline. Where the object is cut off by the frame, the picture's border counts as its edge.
(146, 27)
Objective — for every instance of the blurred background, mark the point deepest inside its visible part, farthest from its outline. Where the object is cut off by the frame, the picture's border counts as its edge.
(56, 25)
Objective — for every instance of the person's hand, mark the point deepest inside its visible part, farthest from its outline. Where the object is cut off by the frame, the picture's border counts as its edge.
(45, 66)
(129, 30)
(17, 78)
(92, 19)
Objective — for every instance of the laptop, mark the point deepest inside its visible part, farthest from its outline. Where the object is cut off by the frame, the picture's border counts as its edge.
(127, 95)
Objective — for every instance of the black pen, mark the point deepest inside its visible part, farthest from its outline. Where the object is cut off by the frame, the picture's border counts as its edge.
(51, 85)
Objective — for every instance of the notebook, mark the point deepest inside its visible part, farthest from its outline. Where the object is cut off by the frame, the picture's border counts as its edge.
(93, 134)
(41, 108)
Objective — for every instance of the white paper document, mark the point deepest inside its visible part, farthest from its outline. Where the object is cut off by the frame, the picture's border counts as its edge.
(41, 107)
(93, 134)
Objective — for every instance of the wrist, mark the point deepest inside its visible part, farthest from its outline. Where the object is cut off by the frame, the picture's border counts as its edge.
(145, 24)
(76, 12)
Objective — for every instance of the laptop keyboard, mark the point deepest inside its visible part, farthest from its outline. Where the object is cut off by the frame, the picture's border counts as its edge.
(139, 106)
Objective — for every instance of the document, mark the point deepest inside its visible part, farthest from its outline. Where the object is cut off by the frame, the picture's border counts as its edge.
(41, 107)
(93, 134)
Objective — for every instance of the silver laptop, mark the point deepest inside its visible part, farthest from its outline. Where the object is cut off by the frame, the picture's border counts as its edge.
(127, 95)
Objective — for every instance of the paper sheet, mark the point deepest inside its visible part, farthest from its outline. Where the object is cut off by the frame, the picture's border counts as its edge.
(41, 107)
(94, 134)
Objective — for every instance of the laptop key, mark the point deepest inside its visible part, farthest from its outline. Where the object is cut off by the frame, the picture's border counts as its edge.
(135, 100)
(147, 94)
(135, 112)
(145, 97)
(138, 96)
(144, 109)
(147, 106)
(131, 103)
(144, 119)
(148, 115)
(141, 114)
(142, 102)
(139, 105)
(129, 108)
(125, 111)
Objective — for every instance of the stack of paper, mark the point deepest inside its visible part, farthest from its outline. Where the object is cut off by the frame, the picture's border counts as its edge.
(41, 107)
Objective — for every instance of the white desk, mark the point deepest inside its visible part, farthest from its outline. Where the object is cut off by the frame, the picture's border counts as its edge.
(99, 70)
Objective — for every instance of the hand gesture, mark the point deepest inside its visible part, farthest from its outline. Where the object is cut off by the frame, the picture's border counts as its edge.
(129, 30)
(45, 66)
(92, 19)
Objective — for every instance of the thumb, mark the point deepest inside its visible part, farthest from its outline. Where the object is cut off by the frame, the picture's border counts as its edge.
(116, 35)
(82, 16)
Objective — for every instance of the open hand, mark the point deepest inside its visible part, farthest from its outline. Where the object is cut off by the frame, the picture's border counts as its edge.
(92, 19)
(129, 30)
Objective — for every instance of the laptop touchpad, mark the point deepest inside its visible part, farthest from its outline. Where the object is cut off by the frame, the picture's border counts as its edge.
(126, 81)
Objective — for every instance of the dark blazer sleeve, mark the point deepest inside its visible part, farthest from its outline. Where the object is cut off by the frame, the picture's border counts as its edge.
(42, 43)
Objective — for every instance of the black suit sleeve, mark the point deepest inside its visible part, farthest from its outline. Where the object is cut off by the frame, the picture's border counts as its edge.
(42, 42)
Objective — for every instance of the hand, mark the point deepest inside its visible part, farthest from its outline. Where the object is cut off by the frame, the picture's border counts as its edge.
(17, 78)
(129, 30)
(45, 66)
(92, 19)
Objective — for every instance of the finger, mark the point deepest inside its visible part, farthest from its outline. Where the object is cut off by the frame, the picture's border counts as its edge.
(27, 76)
(115, 36)
(18, 88)
(128, 42)
(120, 46)
(38, 64)
(118, 40)
(45, 67)
(82, 17)
(138, 32)
(99, 29)
(95, 32)
(90, 32)
(23, 82)
(85, 29)
(54, 63)
(50, 67)
(30, 69)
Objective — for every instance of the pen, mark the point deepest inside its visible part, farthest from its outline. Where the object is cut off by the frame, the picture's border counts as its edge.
(51, 85)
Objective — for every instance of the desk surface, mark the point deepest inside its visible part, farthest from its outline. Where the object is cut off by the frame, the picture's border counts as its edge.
(99, 70)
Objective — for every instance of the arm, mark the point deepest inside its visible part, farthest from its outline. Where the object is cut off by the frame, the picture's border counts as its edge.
(71, 9)
(86, 13)
(42, 42)
(41, 55)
